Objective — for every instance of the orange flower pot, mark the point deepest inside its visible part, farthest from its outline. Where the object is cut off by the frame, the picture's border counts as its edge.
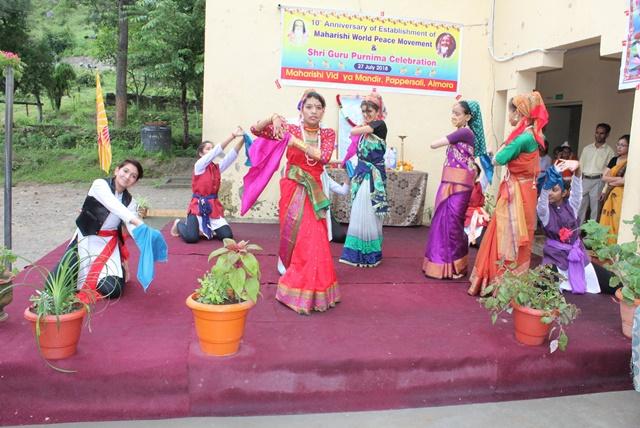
(59, 335)
(219, 327)
(626, 313)
(530, 330)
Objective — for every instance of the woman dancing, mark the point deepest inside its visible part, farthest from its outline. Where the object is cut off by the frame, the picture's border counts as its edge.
(447, 245)
(309, 282)
(363, 246)
(509, 235)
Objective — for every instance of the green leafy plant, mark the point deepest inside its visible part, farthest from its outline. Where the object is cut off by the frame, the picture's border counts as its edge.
(234, 278)
(536, 288)
(7, 257)
(59, 294)
(623, 260)
(143, 202)
(143, 205)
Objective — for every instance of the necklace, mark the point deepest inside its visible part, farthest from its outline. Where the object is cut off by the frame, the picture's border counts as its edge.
(310, 161)
(309, 129)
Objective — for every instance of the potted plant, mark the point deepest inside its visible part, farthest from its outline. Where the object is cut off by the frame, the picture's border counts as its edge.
(536, 302)
(143, 205)
(7, 257)
(58, 309)
(226, 294)
(623, 260)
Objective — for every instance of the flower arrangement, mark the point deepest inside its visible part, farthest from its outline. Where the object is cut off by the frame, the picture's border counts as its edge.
(10, 59)
(404, 166)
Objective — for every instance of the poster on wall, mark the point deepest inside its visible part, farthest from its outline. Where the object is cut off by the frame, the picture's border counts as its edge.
(325, 48)
(630, 64)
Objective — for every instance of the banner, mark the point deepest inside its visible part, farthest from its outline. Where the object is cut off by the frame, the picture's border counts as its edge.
(323, 48)
(102, 128)
(630, 64)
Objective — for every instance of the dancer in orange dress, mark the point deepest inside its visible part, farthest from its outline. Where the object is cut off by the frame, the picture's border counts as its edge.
(509, 235)
(309, 280)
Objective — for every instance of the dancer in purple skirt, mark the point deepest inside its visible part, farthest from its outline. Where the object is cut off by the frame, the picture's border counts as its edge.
(447, 245)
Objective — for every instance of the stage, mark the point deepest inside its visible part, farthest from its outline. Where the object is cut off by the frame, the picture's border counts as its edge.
(397, 340)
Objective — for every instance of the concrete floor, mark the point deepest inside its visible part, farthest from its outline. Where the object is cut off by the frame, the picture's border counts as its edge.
(612, 409)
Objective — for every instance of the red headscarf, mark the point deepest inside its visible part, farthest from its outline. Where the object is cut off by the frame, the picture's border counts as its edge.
(376, 99)
(533, 112)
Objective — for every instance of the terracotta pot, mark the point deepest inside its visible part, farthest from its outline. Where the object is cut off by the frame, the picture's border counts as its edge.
(59, 335)
(219, 327)
(142, 212)
(6, 295)
(626, 313)
(530, 330)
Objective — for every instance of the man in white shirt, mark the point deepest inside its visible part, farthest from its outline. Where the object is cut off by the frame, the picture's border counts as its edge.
(594, 160)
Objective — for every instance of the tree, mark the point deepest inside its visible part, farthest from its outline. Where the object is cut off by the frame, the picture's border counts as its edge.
(172, 40)
(60, 83)
(121, 65)
(13, 25)
(137, 68)
(108, 14)
(40, 60)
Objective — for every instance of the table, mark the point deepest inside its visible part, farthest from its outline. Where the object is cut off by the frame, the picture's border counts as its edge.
(406, 192)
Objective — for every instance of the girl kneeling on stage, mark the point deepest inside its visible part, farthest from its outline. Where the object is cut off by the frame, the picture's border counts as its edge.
(99, 240)
(205, 213)
(558, 212)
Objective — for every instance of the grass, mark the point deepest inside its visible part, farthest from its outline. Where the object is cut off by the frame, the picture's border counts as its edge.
(64, 147)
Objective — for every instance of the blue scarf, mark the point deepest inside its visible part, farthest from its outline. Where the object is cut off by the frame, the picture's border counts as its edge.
(553, 177)
(153, 248)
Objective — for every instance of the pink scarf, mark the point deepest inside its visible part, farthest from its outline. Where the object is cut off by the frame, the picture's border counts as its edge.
(265, 156)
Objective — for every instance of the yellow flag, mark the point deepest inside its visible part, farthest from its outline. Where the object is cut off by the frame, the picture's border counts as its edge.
(104, 141)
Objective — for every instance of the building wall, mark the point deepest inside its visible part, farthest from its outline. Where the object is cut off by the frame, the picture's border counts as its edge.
(242, 62)
(530, 39)
(559, 25)
(588, 79)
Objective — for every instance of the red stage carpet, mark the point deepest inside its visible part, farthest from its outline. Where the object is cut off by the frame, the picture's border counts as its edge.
(397, 340)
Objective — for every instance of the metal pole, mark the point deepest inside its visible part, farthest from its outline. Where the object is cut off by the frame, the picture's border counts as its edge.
(8, 158)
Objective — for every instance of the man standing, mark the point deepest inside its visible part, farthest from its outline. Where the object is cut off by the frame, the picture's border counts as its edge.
(593, 161)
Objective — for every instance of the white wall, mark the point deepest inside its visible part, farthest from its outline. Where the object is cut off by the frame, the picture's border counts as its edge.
(592, 81)
(242, 62)
(243, 56)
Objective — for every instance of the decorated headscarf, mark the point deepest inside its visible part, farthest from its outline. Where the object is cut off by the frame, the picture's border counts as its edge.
(553, 177)
(480, 146)
(533, 112)
(376, 99)
(475, 124)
